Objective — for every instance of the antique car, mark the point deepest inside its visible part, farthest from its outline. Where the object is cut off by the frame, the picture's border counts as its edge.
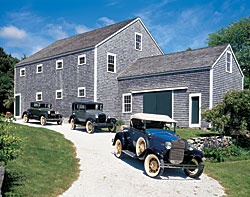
(42, 111)
(91, 115)
(152, 138)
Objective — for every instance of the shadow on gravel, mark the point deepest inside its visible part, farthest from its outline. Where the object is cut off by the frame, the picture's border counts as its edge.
(168, 175)
(33, 122)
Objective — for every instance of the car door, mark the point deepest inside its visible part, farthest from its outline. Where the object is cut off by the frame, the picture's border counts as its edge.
(81, 113)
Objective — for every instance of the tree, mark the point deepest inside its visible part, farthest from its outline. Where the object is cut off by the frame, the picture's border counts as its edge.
(7, 63)
(238, 35)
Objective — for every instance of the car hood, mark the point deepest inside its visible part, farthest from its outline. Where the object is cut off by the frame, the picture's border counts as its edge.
(162, 134)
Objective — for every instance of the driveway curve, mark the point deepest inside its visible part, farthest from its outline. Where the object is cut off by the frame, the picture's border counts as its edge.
(102, 174)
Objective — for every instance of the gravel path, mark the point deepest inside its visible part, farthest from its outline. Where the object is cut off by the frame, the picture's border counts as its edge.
(102, 174)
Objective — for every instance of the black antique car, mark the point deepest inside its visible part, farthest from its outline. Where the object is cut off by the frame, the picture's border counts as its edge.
(152, 138)
(40, 110)
(91, 115)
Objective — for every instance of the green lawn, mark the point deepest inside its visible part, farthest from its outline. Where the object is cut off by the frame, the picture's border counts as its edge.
(190, 133)
(47, 167)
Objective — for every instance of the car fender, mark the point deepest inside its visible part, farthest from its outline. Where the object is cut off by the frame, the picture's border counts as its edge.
(25, 112)
(122, 137)
(90, 119)
(151, 151)
(112, 120)
(45, 115)
(197, 154)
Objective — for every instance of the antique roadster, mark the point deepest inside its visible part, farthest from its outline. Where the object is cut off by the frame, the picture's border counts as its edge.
(152, 138)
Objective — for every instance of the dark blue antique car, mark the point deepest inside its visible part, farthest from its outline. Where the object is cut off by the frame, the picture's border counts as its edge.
(152, 138)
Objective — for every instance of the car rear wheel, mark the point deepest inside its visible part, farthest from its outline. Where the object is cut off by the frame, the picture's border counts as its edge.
(140, 146)
(43, 120)
(195, 173)
(112, 128)
(25, 118)
(118, 149)
(72, 124)
(152, 166)
(59, 122)
(90, 127)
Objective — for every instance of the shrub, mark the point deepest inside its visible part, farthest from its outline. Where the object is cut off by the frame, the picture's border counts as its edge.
(10, 143)
(119, 123)
(231, 117)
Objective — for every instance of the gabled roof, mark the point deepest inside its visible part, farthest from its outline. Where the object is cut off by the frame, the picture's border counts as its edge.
(78, 42)
(180, 61)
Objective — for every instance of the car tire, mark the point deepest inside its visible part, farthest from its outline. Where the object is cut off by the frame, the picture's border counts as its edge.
(25, 118)
(72, 124)
(118, 149)
(59, 122)
(43, 120)
(152, 166)
(141, 146)
(112, 129)
(90, 127)
(195, 173)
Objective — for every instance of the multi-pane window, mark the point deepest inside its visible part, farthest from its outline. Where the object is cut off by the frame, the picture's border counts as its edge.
(59, 94)
(229, 61)
(111, 63)
(39, 96)
(127, 103)
(22, 72)
(59, 64)
(81, 59)
(39, 68)
(81, 92)
(138, 41)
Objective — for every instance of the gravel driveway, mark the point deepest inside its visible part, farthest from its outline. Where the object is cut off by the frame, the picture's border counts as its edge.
(102, 174)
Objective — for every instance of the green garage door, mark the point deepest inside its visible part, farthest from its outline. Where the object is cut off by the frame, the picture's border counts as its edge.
(158, 103)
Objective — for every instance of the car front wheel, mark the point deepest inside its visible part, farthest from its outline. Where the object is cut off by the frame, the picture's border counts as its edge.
(72, 124)
(152, 166)
(118, 149)
(195, 173)
(140, 146)
(90, 127)
(59, 122)
(112, 128)
(43, 120)
(25, 118)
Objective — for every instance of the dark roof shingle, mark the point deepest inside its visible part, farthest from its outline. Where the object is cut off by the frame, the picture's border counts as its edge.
(185, 60)
(78, 42)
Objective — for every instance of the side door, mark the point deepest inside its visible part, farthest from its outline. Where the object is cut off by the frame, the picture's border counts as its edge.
(81, 113)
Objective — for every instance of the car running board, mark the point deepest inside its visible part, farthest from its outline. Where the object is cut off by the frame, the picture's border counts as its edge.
(129, 153)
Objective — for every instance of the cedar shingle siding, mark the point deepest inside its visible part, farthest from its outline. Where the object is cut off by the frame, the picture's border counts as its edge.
(182, 73)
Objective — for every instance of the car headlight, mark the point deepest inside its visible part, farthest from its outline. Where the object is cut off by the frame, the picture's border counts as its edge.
(48, 112)
(96, 116)
(190, 147)
(168, 145)
(57, 112)
(108, 116)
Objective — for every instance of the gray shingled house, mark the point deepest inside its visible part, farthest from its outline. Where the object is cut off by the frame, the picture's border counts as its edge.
(122, 66)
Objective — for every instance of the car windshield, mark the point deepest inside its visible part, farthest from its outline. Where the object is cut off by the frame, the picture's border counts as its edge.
(94, 107)
(45, 105)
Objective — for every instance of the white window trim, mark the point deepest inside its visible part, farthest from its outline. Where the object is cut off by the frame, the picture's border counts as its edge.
(61, 94)
(20, 114)
(58, 61)
(114, 62)
(231, 62)
(21, 72)
(190, 110)
(41, 96)
(78, 59)
(135, 41)
(39, 65)
(81, 88)
(123, 107)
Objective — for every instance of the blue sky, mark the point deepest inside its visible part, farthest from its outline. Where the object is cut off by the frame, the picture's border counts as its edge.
(27, 26)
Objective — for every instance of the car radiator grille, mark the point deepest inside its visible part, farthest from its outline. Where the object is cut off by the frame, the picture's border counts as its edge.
(52, 113)
(102, 118)
(176, 154)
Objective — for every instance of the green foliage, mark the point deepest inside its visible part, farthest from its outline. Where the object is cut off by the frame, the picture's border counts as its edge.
(10, 143)
(231, 117)
(238, 35)
(7, 63)
(119, 123)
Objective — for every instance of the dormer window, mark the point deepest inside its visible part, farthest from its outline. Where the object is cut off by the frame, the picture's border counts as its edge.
(229, 62)
(59, 64)
(39, 68)
(22, 72)
(138, 41)
(81, 59)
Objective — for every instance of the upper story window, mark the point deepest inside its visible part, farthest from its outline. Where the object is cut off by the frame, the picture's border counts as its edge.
(39, 68)
(22, 72)
(229, 62)
(81, 92)
(127, 103)
(138, 41)
(59, 64)
(82, 59)
(39, 96)
(111, 62)
(59, 94)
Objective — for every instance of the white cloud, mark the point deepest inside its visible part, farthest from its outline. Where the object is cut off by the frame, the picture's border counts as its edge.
(56, 31)
(106, 21)
(12, 32)
(81, 29)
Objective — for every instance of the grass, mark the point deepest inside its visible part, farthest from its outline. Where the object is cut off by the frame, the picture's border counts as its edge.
(47, 167)
(191, 133)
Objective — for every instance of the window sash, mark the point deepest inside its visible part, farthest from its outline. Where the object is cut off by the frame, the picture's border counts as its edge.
(127, 103)
(111, 63)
